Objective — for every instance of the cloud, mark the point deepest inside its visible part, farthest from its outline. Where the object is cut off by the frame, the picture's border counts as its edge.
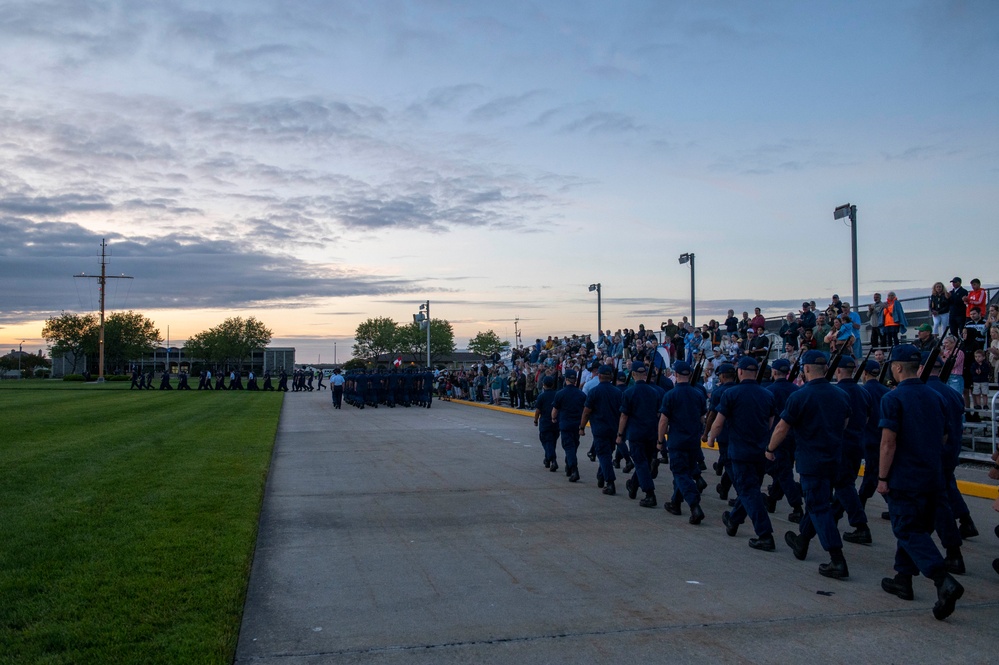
(51, 206)
(182, 271)
(602, 122)
(502, 106)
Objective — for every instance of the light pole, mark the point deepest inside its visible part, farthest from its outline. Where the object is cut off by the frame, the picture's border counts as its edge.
(423, 318)
(334, 353)
(847, 210)
(688, 257)
(600, 325)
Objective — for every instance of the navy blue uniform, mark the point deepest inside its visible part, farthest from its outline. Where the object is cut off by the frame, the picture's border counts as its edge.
(918, 416)
(748, 409)
(817, 413)
(547, 430)
(782, 468)
(951, 504)
(640, 403)
(604, 403)
(569, 401)
(684, 408)
(724, 467)
(872, 441)
(852, 452)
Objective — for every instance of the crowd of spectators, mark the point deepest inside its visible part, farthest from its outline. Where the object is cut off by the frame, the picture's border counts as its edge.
(959, 315)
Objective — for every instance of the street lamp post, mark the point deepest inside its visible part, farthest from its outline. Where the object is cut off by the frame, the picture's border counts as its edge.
(20, 352)
(688, 257)
(847, 210)
(423, 318)
(600, 325)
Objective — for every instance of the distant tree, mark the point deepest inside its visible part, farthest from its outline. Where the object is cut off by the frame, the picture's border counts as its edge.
(230, 342)
(127, 336)
(374, 337)
(487, 343)
(354, 363)
(413, 341)
(28, 362)
(70, 335)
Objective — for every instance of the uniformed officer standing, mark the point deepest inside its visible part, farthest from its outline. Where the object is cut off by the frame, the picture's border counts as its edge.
(337, 382)
(872, 433)
(781, 469)
(749, 410)
(567, 410)
(913, 430)
(638, 423)
(817, 413)
(680, 421)
(602, 410)
(547, 428)
(852, 453)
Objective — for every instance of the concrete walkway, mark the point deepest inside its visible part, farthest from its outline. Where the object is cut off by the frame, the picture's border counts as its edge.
(437, 536)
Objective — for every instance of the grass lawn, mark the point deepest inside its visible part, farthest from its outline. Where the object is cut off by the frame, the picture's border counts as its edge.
(127, 520)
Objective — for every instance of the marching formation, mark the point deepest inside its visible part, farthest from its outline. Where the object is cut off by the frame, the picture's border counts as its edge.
(907, 434)
(360, 388)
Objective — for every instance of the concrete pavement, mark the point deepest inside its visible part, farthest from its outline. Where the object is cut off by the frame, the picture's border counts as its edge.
(437, 536)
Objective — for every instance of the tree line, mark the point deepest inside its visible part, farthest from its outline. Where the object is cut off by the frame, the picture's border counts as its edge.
(129, 335)
(383, 335)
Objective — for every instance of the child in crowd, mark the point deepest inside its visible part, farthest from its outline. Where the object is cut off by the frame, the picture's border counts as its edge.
(981, 374)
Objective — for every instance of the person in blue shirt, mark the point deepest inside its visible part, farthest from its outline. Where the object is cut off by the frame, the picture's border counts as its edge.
(336, 381)
(817, 414)
(748, 409)
(638, 423)
(567, 409)
(782, 468)
(852, 453)
(913, 435)
(726, 376)
(602, 410)
(547, 428)
(951, 504)
(872, 432)
(681, 417)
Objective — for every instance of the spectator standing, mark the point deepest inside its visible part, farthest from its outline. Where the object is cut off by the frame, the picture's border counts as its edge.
(852, 321)
(744, 325)
(836, 304)
(894, 319)
(976, 299)
(940, 309)
(822, 328)
(958, 308)
(876, 320)
(789, 330)
(993, 352)
(758, 321)
(806, 320)
(981, 374)
(731, 323)
(956, 378)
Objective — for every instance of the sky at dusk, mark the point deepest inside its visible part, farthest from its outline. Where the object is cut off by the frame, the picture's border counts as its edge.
(315, 164)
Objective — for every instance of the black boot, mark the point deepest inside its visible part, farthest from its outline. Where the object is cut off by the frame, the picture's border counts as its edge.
(771, 503)
(701, 483)
(672, 507)
(696, 514)
(629, 466)
(649, 501)
(574, 476)
(554, 467)
(900, 585)
(836, 568)
(632, 486)
(730, 529)
(949, 591)
(547, 462)
(968, 528)
(798, 545)
(763, 543)
(655, 467)
(609, 490)
(954, 561)
(859, 536)
(795, 515)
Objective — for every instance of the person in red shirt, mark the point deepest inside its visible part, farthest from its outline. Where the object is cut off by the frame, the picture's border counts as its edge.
(976, 299)
(758, 321)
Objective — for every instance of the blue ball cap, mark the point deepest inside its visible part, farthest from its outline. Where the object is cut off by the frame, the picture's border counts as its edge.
(570, 374)
(905, 353)
(639, 367)
(814, 358)
(605, 370)
(781, 365)
(847, 362)
(925, 356)
(872, 367)
(682, 368)
(748, 364)
(725, 368)
(621, 376)
(548, 382)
